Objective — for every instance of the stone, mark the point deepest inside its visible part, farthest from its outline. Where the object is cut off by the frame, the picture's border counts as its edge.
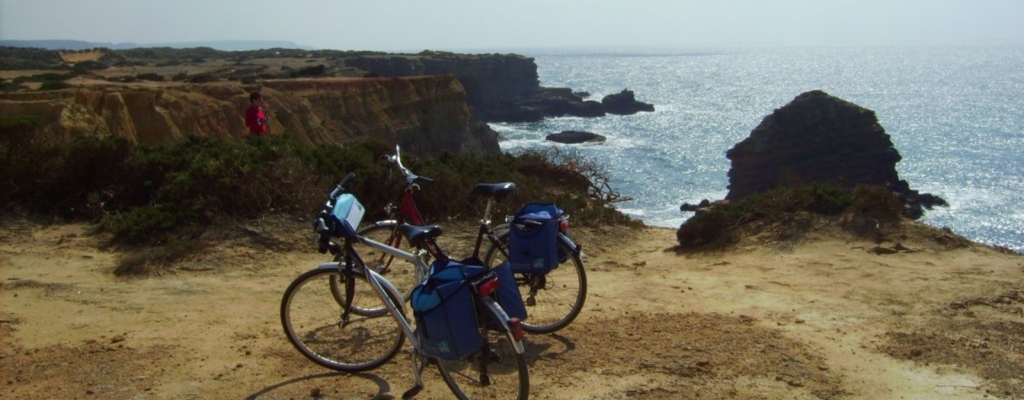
(624, 103)
(575, 137)
(818, 138)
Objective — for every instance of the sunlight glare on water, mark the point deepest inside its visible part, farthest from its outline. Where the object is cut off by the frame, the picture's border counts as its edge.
(953, 113)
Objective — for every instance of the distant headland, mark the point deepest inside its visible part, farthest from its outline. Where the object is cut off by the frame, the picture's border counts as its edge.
(224, 45)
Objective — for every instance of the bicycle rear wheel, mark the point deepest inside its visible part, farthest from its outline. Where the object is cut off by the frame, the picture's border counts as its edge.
(495, 372)
(313, 321)
(553, 300)
(397, 271)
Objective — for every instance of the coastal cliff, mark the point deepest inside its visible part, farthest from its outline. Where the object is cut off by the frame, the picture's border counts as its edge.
(500, 87)
(425, 114)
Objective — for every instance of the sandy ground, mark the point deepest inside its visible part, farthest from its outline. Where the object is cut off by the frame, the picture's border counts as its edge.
(827, 316)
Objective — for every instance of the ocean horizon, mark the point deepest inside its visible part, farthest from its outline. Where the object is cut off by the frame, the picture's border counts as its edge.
(953, 113)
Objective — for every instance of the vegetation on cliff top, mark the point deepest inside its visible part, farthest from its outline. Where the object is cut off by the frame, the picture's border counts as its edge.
(159, 194)
(194, 65)
(864, 208)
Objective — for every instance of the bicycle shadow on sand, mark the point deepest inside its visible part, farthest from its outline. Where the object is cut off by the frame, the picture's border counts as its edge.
(546, 346)
(382, 385)
(539, 347)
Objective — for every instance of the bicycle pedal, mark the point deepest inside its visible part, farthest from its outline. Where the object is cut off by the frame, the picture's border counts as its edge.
(412, 392)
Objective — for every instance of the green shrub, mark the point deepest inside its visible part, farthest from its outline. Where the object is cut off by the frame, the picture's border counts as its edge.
(29, 58)
(51, 77)
(149, 76)
(829, 200)
(876, 202)
(712, 229)
(318, 70)
(169, 63)
(151, 224)
(155, 194)
(86, 66)
(203, 78)
(11, 86)
(776, 205)
(25, 158)
(54, 85)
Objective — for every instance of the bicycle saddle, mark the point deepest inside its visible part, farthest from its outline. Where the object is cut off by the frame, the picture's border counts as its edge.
(418, 235)
(497, 191)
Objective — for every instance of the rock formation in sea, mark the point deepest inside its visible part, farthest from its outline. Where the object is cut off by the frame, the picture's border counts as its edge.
(426, 114)
(500, 87)
(575, 137)
(624, 103)
(818, 138)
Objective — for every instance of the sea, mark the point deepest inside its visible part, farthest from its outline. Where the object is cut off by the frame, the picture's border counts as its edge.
(955, 113)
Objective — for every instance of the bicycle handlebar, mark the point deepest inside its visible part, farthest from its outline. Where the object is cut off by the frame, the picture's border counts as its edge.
(320, 226)
(410, 177)
(341, 186)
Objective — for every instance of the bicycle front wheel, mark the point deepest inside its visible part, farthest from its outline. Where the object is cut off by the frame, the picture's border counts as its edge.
(316, 324)
(553, 300)
(397, 271)
(495, 372)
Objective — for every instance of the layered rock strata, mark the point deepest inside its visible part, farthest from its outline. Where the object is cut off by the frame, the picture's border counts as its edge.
(422, 114)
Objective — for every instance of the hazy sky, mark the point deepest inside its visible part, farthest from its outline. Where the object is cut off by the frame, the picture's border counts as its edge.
(403, 25)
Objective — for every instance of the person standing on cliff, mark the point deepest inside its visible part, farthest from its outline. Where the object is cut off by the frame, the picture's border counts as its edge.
(255, 116)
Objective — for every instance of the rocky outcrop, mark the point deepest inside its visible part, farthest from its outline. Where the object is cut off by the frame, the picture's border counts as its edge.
(499, 87)
(818, 138)
(575, 137)
(624, 103)
(422, 114)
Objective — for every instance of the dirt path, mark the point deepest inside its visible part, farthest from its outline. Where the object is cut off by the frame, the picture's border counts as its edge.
(825, 318)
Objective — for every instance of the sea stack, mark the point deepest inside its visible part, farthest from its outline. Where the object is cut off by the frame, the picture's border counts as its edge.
(818, 138)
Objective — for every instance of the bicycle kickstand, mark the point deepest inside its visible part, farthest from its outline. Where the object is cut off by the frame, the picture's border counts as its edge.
(418, 373)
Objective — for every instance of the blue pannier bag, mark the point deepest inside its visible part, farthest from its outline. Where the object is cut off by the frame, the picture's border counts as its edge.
(443, 306)
(533, 239)
(509, 297)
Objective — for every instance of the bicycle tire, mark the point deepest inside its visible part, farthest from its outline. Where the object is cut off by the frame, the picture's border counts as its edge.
(312, 321)
(396, 270)
(506, 374)
(552, 300)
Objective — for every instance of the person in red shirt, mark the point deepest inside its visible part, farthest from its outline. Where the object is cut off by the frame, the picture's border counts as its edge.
(255, 117)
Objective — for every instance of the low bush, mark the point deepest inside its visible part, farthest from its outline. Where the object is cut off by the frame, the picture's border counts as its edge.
(54, 85)
(86, 66)
(162, 194)
(720, 225)
(150, 76)
(713, 229)
(313, 71)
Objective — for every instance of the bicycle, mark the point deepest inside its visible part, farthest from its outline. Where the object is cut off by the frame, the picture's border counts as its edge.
(329, 333)
(553, 299)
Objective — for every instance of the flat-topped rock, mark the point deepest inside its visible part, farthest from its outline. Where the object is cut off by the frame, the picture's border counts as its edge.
(575, 137)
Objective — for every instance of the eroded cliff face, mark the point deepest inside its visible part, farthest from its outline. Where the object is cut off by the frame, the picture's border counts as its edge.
(423, 114)
(500, 87)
